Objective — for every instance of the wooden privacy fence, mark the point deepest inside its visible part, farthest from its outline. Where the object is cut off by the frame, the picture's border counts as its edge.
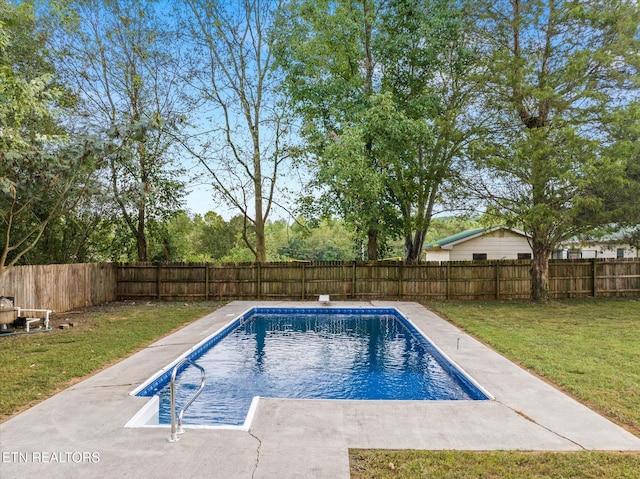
(69, 286)
(460, 280)
(61, 287)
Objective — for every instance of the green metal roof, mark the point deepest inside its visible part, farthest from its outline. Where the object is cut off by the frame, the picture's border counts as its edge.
(457, 237)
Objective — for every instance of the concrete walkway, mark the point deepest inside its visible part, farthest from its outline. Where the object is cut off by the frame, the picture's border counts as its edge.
(79, 433)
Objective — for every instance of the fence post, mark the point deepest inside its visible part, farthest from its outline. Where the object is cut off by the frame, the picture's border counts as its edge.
(206, 281)
(353, 280)
(593, 277)
(304, 280)
(258, 278)
(498, 280)
(158, 281)
(448, 280)
(400, 280)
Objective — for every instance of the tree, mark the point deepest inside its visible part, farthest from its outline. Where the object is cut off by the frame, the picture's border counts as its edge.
(42, 173)
(621, 197)
(328, 240)
(328, 59)
(38, 186)
(81, 233)
(175, 239)
(385, 91)
(216, 236)
(119, 56)
(355, 190)
(244, 149)
(553, 71)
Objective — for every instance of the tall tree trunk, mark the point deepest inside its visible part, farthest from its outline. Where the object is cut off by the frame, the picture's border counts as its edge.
(372, 234)
(413, 246)
(372, 245)
(538, 180)
(141, 237)
(141, 233)
(141, 243)
(167, 248)
(540, 271)
(261, 249)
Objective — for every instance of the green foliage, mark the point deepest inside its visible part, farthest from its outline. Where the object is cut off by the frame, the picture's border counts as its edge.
(553, 74)
(620, 192)
(217, 236)
(82, 233)
(41, 184)
(211, 238)
(356, 190)
(143, 183)
(382, 88)
(393, 98)
(28, 94)
(201, 238)
(42, 172)
(125, 74)
(329, 240)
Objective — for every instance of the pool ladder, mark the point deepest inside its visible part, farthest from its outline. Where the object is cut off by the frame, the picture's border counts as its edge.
(176, 426)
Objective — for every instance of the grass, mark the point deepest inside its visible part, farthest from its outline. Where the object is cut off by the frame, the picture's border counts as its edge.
(375, 464)
(37, 366)
(588, 348)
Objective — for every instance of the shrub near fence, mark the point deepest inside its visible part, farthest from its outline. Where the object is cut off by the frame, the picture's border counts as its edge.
(61, 287)
(461, 280)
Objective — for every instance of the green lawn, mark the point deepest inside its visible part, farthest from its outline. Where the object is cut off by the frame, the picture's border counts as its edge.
(588, 348)
(368, 464)
(36, 366)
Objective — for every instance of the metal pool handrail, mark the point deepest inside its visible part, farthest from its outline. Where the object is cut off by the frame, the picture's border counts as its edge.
(178, 430)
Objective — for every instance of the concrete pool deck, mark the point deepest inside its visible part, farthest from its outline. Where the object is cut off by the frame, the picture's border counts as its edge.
(80, 433)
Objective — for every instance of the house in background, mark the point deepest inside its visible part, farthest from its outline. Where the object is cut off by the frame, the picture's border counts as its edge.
(494, 242)
(614, 245)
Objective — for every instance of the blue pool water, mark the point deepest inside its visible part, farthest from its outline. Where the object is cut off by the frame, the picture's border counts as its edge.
(313, 354)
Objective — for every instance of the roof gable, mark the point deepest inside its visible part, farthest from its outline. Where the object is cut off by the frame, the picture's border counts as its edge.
(468, 235)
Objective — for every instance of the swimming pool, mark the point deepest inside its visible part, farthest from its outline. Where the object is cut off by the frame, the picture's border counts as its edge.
(310, 353)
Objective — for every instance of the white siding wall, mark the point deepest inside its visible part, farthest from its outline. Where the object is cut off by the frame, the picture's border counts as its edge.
(436, 255)
(500, 244)
(605, 251)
